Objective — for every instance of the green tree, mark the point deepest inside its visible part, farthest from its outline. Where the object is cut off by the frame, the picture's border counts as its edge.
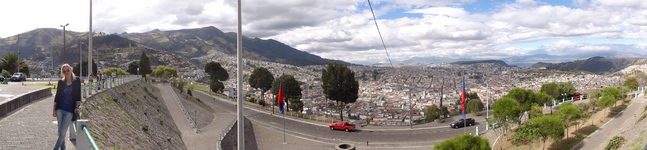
(584, 108)
(605, 102)
(505, 111)
(117, 71)
(216, 86)
(132, 67)
(474, 106)
(595, 94)
(291, 88)
(631, 83)
(5, 73)
(593, 103)
(552, 89)
(296, 104)
(544, 128)
(506, 108)
(473, 95)
(444, 111)
(464, 142)
(339, 84)
(144, 64)
(568, 113)
(164, 72)
(217, 74)
(567, 87)
(85, 68)
(525, 97)
(11, 62)
(262, 79)
(612, 91)
(535, 111)
(432, 113)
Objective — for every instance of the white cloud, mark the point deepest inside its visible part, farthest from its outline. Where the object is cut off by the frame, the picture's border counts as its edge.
(344, 29)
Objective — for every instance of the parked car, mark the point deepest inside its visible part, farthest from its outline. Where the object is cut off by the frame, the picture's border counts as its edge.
(18, 76)
(1, 79)
(342, 125)
(461, 123)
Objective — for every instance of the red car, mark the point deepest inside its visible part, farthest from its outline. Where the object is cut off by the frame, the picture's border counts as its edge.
(342, 125)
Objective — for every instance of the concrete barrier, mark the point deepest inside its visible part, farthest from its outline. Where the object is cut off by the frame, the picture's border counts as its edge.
(22, 100)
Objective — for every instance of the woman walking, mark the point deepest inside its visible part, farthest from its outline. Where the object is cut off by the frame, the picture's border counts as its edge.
(66, 103)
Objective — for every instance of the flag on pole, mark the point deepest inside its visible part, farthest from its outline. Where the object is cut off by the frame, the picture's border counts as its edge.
(463, 97)
(280, 96)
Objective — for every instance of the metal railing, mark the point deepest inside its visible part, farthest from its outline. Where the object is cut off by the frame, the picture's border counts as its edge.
(87, 134)
(117, 81)
(186, 113)
(225, 131)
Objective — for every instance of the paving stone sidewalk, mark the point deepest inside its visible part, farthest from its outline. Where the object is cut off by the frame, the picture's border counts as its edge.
(31, 127)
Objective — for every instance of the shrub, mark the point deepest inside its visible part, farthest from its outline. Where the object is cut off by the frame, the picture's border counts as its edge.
(188, 91)
(262, 103)
(615, 143)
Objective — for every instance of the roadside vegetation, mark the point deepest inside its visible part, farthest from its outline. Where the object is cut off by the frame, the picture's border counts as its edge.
(560, 129)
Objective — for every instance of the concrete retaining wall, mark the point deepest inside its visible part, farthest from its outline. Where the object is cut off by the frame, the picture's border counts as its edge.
(22, 100)
(230, 141)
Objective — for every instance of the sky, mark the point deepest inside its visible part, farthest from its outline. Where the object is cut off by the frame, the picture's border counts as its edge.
(345, 29)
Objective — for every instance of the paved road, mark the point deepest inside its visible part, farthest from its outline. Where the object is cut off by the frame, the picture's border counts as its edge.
(616, 126)
(319, 133)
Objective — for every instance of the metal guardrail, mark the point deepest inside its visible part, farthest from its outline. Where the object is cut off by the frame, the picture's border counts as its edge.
(87, 134)
(92, 142)
(224, 132)
(186, 113)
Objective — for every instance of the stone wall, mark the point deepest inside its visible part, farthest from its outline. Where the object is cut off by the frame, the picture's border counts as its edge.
(22, 100)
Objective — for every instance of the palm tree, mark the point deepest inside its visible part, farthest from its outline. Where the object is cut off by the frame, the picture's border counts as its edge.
(11, 63)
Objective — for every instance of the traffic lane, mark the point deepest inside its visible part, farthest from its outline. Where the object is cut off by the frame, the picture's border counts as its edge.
(310, 130)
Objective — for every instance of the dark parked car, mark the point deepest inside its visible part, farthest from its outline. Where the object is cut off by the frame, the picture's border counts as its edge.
(18, 76)
(460, 123)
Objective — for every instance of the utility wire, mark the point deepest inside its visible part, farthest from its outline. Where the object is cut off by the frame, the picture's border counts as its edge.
(380, 33)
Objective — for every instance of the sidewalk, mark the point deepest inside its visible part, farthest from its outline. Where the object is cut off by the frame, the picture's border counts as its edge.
(31, 127)
(207, 137)
(616, 126)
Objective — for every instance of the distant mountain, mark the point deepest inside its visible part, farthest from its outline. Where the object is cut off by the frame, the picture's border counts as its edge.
(599, 65)
(499, 62)
(198, 42)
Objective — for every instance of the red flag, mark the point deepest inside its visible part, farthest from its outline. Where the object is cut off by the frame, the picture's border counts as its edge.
(463, 97)
(280, 96)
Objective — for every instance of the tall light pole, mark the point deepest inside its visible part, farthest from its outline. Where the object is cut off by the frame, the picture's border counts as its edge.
(90, 34)
(411, 112)
(487, 104)
(239, 76)
(64, 37)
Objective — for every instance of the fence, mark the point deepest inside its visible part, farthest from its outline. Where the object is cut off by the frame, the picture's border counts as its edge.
(186, 113)
(225, 131)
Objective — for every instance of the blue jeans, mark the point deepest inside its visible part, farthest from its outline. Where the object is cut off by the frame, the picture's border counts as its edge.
(64, 119)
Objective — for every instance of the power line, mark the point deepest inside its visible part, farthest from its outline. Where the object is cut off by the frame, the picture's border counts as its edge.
(380, 33)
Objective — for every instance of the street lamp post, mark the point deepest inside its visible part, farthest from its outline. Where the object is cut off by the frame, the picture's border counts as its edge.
(487, 105)
(563, 97)
(64, 36)
(411, 112)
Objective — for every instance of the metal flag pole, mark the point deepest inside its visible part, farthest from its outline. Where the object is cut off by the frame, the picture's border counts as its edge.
(239, 88)
(463, 103)
(284, 142)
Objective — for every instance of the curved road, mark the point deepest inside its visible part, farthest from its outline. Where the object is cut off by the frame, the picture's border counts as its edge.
(319, 132)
